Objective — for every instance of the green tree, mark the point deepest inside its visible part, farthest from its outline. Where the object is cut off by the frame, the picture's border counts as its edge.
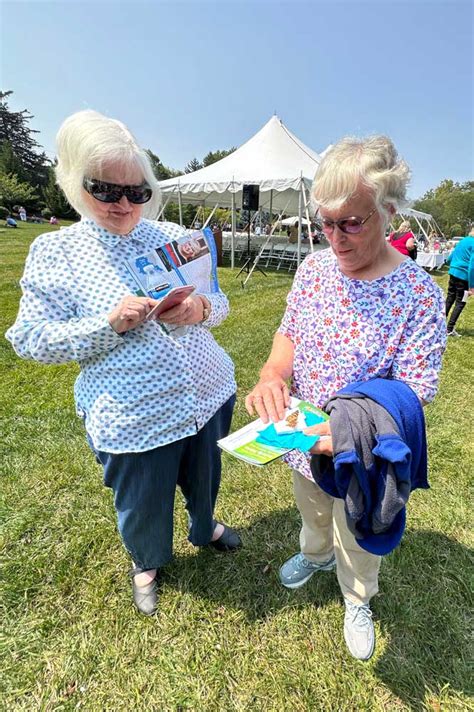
(13, 192)
(192, 166)
(54, 198)
(161, 171)
(14, 129)
(214, 156)
(451, 204)
(9, 162)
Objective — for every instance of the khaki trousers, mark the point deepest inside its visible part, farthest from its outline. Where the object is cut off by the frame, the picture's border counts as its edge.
(325, 532)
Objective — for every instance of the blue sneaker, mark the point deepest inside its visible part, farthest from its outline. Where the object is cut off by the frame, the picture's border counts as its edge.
(359, 631)
(298, 570)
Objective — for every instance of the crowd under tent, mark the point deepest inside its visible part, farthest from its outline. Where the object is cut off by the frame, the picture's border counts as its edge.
(274, 159)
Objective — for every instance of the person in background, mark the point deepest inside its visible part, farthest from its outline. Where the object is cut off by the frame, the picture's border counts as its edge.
(461, 280)
(357, 311)
(10, 222)
(293, 236)
(403, 240)
(22, 213)
(154, 398)
(53, 220)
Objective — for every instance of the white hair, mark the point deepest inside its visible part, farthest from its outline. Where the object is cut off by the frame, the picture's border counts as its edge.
(86, 142)
(373, 162)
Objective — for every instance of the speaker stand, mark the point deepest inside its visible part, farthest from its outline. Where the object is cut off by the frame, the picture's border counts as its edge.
(246, 266)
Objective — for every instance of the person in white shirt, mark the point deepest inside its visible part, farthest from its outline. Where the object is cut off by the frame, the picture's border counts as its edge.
(154, 398)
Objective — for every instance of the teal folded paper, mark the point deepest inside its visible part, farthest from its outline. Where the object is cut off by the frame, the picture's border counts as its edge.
(291, 441)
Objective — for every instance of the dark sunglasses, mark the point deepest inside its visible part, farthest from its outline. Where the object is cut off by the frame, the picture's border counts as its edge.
(112, 193)
(350, 226)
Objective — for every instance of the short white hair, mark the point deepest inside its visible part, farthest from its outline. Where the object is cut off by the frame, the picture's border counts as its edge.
(86, 142)
(372, 161)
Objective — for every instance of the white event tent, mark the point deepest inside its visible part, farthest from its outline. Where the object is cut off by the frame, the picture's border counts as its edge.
(274, 159)
(425, 221)
(293, 220)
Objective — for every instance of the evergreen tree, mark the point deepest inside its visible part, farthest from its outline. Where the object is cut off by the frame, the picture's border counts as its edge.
(55, 200)
(9, 163)
(214, 156)
(14, 129)
(161, 171)
(192, 166)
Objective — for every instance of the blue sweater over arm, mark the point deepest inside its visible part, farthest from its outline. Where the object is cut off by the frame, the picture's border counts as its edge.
(367, 487)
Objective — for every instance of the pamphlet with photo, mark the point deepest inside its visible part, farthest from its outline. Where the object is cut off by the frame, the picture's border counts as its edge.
(190, 260)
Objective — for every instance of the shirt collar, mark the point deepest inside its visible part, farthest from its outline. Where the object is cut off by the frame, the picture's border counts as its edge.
(110, 238)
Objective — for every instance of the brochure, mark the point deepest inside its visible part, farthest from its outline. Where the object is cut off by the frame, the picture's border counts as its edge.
(192, 259)
(243, 443)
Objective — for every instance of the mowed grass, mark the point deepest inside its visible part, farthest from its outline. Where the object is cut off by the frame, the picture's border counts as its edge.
(228, 636)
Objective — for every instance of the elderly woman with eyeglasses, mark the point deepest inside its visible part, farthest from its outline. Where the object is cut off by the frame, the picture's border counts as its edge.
(357, 311)
(154, 398)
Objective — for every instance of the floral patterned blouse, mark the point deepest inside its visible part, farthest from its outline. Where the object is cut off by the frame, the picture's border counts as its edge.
(345, 330)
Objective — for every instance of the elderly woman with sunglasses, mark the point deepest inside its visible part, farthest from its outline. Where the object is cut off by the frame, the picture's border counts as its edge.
(154, 398)
(356, 311)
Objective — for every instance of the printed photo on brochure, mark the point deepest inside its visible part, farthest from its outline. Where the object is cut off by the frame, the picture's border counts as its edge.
(190, 260)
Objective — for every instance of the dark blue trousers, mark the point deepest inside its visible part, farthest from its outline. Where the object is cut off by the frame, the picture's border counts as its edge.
(144, 485)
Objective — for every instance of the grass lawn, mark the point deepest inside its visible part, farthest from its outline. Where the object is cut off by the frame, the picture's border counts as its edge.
(228, 636)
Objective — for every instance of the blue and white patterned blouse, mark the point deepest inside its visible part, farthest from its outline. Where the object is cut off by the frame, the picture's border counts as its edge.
(136, 390)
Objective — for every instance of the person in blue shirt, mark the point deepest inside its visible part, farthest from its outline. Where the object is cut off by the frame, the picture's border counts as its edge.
(154, 396)
(461, 280)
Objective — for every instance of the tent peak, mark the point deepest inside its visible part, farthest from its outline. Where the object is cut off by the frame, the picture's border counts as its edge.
(273, 158)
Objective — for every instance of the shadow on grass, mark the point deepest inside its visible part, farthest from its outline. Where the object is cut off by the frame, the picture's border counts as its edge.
(422, 608)
(247, 579)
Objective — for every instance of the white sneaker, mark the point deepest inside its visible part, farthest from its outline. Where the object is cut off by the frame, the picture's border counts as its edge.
(453, 332)
(359, 631)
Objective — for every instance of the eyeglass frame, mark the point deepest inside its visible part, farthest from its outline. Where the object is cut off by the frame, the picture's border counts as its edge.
(330, 228)
(122, 190)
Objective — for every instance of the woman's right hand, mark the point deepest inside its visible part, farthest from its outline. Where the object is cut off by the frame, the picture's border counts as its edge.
(269, 399)
(130, 312)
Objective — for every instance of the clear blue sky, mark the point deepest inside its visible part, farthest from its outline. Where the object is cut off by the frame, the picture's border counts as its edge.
(192, 76)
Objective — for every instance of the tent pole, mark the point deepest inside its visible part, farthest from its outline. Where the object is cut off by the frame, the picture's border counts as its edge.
(257, 258)
(300, 218)
(421, 227)
(210, 216)
(180, 206)
(440, 232)
(232, 239)
(162, 210)
(306, 203)
(271, 208)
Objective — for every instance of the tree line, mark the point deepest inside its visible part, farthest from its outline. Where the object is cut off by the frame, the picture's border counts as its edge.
(27, 178)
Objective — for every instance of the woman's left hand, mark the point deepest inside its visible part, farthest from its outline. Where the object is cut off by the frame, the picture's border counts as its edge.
(190, 311)
(324, 444)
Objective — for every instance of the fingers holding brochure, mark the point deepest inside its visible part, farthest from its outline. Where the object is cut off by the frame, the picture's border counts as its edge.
(188, 312)
(269, 399)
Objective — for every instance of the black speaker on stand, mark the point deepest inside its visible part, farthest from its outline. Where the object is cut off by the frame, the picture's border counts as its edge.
(250, 197)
